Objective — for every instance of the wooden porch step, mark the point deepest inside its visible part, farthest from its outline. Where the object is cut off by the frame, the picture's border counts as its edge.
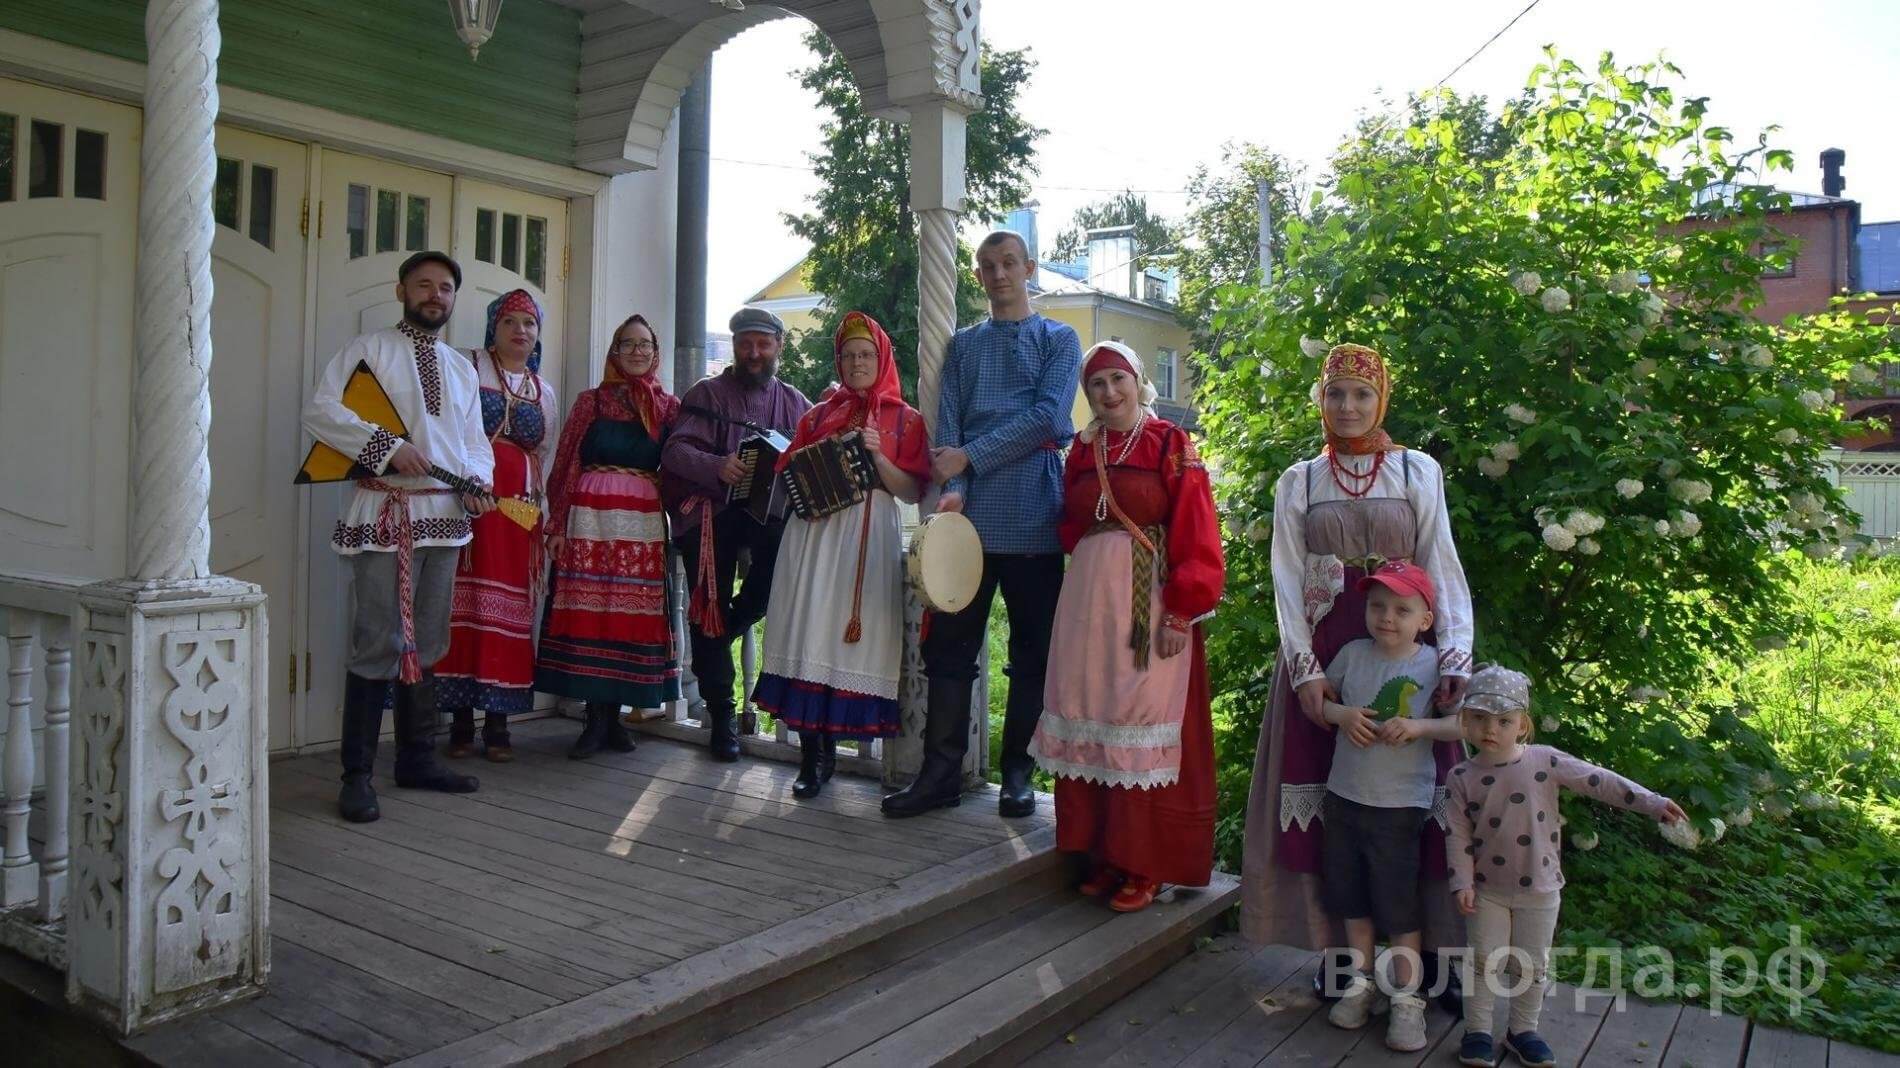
(984, 989)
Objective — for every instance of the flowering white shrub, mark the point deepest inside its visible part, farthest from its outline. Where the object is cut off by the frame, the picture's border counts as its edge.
(1582, 522)
(1623, 282)
(1661, 528)
(1588, 546)
(1313, 347)
(1492, 467)
(1787, 435)
(1505, 450)
(1628, 488)
(1555, 299)
(1517, 413)
(1811, 400)
(1527, 282)
(1559, 539)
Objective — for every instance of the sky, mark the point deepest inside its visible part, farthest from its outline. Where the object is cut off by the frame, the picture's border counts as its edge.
(1131, 100)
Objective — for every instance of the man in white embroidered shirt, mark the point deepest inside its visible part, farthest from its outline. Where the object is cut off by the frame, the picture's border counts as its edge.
(402, 530)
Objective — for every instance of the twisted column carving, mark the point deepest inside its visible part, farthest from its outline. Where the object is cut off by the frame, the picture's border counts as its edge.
(936, 301)
(171, 412)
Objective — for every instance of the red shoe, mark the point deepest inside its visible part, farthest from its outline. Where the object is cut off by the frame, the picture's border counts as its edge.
(1103, 881)
(1136, 894)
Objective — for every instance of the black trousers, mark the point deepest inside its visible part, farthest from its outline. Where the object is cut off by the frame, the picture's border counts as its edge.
(1030, 584)
(733, 530)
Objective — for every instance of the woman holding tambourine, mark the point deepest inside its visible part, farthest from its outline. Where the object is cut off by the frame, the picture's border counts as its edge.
(1126, 728)
(834, 628)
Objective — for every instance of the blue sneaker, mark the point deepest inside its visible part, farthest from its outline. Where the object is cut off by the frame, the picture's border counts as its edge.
(1477, 1050)
(1531, 1050)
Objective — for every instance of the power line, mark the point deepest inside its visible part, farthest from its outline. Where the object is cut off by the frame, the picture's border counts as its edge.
(1488, 43)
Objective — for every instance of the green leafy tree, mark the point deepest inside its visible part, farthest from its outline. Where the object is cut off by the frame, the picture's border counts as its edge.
(1222, 227)
(862, 233)
(1567, 321)
(1154, 235)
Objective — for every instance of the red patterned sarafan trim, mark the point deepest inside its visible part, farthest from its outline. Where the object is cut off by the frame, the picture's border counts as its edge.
(1454, 662)
(377, 449)
(429, 528)
(1306, 667)
(428, 366)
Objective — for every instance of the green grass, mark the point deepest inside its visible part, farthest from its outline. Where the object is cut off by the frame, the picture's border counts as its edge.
(1829, 702)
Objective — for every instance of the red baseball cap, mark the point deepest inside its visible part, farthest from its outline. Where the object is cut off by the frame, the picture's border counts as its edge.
(1402, 578)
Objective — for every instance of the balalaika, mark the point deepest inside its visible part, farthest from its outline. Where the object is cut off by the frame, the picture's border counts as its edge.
(829, 475)
(759, 490)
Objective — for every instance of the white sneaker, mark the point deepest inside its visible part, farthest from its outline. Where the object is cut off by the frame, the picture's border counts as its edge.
(1405, 1032)
(1353, 1006)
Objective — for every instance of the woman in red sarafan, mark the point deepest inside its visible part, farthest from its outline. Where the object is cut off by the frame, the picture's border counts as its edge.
(607, 639)
(490, 662)
(1126, 728)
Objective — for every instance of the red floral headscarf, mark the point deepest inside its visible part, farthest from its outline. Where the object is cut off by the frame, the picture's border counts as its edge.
(644, 397)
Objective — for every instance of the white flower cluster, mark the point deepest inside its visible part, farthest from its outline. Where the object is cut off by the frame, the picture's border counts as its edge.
(1661, 528)
(1683, 834)
(1517, 413)
(1776, 807)
(1547, 724)
(1686, 525)
(1588, 547)
(1862, 375)
(1555, 299)
(1650, 309)
(1559, 538)
(1505, 450)
(1787, 435)
(1805, 503)
(1628, 487)
(1377, 300)
(1623, 282)
(1585, 841)
(1691, 490)
(1646, 693)
(1741, 819)
(1758, 356)
(1527, 282)
(1492, 467)
(1313, 347)
(1811, 400)
(1582, 522)
(1669, 468)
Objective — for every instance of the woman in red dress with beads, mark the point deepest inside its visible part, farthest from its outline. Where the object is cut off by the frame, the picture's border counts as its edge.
(1126, 729)
(499, 578)
(1361, 502)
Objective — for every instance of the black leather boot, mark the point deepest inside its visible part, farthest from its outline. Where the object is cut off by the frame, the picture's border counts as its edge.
(616, 736)
(495, 744)
(724, 743)
(828, 758)
(593, 733)
(416, 768)
(461, 733)
(362, 723)
(939, 783)
(1018, 795)
(811, 753)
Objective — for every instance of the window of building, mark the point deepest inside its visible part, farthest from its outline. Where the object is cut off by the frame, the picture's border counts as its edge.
(1779, 257)
(1164, 374)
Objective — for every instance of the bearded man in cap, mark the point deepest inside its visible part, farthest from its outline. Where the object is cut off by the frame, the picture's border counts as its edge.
(698, 468)
(403, 530)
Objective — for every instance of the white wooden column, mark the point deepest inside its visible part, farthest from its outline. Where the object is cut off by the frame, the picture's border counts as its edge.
(170, 847)
(937, 129)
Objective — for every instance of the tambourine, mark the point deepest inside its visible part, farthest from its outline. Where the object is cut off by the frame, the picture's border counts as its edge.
(945, 561)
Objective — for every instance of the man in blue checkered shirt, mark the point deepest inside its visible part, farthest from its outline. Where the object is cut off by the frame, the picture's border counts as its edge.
(1002, 421)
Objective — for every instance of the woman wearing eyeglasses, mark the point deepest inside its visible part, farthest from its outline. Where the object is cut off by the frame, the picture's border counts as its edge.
(607, 638)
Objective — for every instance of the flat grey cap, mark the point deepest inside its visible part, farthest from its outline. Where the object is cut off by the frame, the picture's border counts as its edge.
(756, 320)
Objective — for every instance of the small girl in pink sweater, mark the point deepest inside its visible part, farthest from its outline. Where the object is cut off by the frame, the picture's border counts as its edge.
(1504, 848)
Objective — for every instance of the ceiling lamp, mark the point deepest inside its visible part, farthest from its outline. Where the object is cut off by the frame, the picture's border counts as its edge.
(474, 22)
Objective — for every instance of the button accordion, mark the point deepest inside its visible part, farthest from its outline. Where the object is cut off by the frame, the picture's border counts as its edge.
(759, 491)
(829, 476)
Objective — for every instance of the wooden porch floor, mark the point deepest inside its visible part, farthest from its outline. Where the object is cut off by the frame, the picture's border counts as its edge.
(563, 890)
(1228, 1005)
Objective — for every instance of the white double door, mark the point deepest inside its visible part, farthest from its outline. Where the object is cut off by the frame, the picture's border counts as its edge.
(370, 215)
(304, 258)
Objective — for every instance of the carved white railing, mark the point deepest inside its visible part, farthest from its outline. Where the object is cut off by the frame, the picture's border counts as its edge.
(35, 772)
(1871, 483)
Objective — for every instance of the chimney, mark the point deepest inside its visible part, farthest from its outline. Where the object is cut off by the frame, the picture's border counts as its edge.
(1112, 260)
(1022, 219)
(1831, 181)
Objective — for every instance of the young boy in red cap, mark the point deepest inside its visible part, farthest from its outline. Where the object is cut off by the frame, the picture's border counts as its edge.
(1380, 792)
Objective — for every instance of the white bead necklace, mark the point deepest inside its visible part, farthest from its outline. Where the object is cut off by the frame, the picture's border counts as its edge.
(1128, 446)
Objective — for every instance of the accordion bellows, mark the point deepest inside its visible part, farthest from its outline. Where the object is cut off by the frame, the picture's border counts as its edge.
(829, 476)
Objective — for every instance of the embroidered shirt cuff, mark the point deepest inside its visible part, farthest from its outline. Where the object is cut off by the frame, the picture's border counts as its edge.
(1454, 662)
(377, 451)
(1305, 668)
